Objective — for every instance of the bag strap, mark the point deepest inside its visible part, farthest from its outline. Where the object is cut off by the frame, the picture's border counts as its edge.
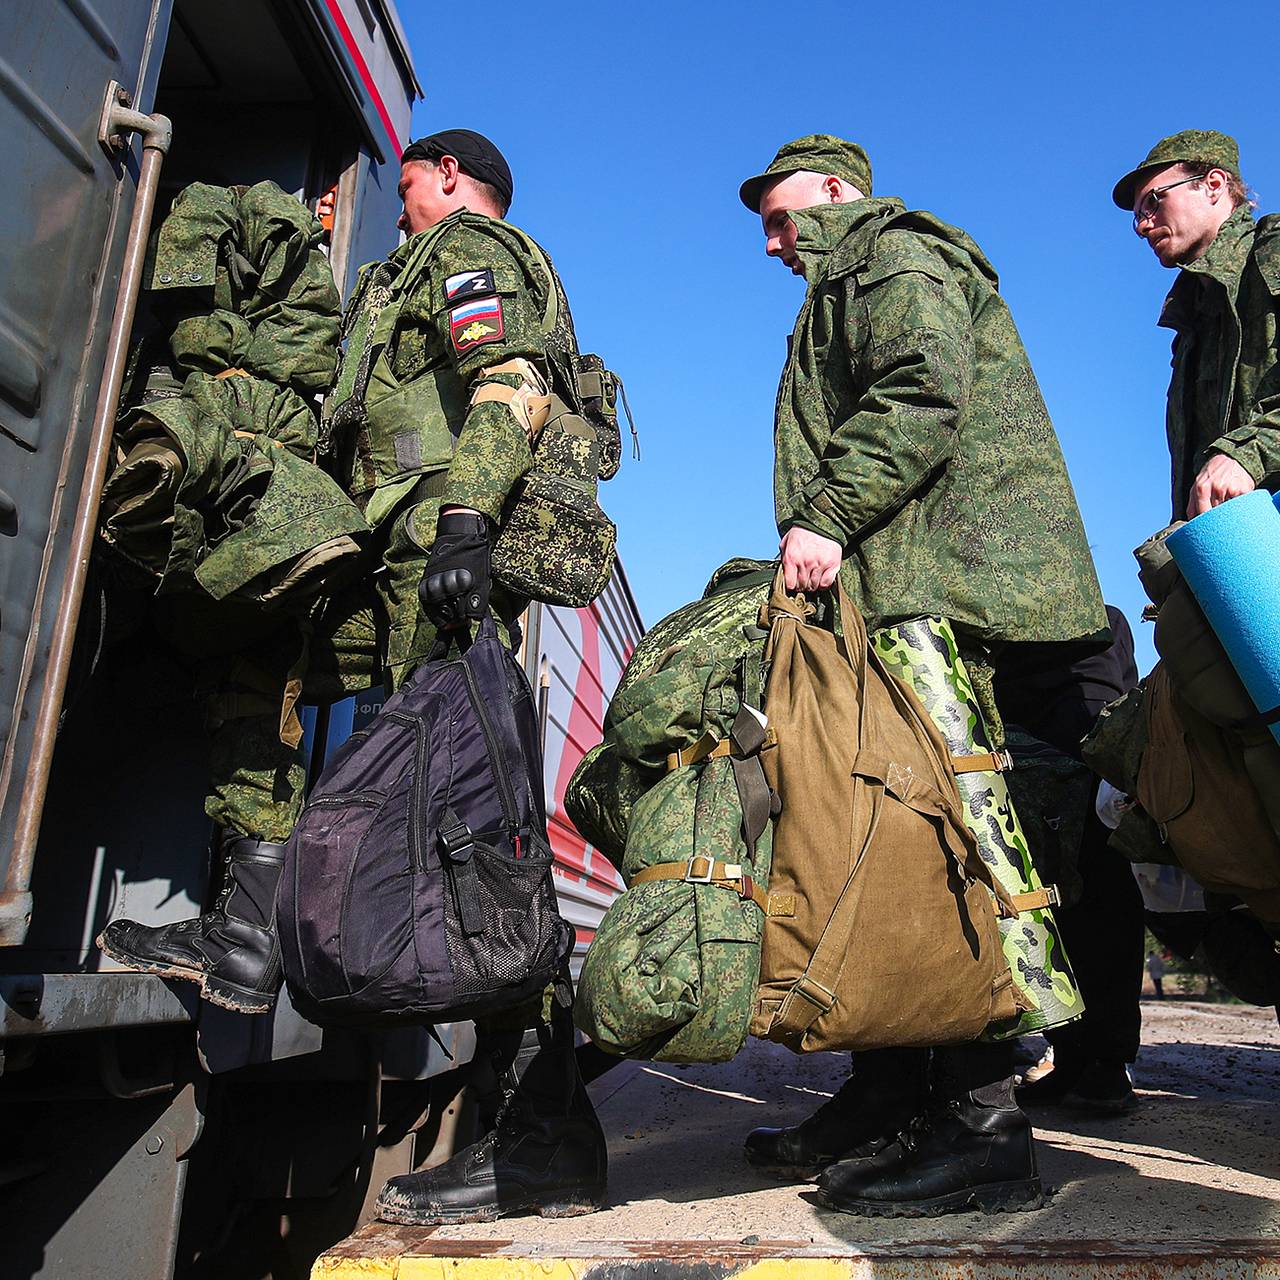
(707, 747)
(457, 847)
(720, 875)
(985, 762)
(813, 994)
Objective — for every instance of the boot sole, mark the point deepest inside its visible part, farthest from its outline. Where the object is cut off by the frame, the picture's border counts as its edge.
(226, 995)
(571, 1206)
(997, 1197)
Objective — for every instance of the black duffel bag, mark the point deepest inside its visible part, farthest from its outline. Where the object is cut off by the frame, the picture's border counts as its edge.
(417, 883)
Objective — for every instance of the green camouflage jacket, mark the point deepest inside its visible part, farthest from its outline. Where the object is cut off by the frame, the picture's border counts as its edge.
(214, 487)
(909, 428)
(1224, 396)
(246, 284)
(479, 293)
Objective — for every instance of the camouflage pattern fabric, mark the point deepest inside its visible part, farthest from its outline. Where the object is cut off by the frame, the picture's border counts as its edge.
(672, 971)
(409, 411)
(910, 429)
(429, 334)
(240, 274)
(924, 655)
(1224, 393)
(1052, 795)
(246, 325)
(213, 492)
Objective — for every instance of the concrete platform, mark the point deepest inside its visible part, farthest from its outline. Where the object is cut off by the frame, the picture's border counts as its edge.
(1187, 1186)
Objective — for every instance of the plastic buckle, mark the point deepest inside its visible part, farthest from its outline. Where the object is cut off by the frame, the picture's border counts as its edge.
(692, 877)
(1054, 898)
(457, 842)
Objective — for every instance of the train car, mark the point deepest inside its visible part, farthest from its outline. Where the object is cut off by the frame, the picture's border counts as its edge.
(147, 1133)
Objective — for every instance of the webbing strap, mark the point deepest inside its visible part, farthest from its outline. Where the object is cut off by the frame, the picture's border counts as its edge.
(498, 392)
(458, 848)
(811, 994)
(986, 762)
(707, 747)
(720, 875)
(1036, 899)
(232, 373)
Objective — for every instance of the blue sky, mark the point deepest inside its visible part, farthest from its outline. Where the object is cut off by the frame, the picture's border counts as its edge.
(629, 129)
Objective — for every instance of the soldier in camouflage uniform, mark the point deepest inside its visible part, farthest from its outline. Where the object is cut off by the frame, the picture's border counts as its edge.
(1190, 205)
(915, 457)
(215, 506)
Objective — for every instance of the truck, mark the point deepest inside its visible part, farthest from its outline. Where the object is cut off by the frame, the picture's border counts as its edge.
(147, 1133)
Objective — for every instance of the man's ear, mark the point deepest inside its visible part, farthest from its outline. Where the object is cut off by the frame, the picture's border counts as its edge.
(448, 174)
(1215, 183)
(834, 189)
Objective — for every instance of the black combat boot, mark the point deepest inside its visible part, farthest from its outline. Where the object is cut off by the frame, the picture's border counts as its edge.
(232, 950)
(887, 1088)
(545, 1153)
(974, 1151)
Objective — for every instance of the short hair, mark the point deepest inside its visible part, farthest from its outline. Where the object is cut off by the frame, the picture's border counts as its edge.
(1240, 192)
(486, 189)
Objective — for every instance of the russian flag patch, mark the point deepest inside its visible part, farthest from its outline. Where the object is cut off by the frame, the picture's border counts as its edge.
(474, 323)
(469, 284)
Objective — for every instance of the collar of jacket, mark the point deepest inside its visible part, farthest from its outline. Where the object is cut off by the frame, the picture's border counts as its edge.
(823, 227)
(1221, 263)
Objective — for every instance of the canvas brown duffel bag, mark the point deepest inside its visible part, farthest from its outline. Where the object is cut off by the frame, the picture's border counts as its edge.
(894, 939)
(1193, 784)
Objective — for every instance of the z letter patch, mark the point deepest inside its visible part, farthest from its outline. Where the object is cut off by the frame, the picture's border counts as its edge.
(469, 284)
(475, 323)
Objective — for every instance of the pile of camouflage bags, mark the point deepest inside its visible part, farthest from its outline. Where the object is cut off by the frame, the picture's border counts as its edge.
(213, 486)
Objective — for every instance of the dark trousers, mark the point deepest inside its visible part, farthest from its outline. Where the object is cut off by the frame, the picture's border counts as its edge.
(1103, 934)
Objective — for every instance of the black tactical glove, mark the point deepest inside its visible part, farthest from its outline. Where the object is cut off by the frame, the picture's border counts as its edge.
(455, 583)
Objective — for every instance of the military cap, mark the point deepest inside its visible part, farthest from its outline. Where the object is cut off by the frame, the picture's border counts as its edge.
(1191, 146)
(477, 157)
(814, 153)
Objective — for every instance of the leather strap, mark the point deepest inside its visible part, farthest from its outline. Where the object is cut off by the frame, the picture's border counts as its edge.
(721, 875)
(987, 762)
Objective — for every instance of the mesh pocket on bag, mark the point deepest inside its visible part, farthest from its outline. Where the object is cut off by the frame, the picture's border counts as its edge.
(523, 933)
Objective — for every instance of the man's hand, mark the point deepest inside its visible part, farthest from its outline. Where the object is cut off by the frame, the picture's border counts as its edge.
(1220, 478)
(455, 583)
(809, 561)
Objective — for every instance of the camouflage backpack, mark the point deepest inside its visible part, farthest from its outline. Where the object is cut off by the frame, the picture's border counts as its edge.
(676, 797)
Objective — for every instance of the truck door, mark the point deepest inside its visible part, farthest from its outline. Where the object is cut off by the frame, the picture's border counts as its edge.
(64, 209)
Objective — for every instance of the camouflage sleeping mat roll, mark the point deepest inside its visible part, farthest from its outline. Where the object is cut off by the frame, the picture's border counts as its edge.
(924, 655)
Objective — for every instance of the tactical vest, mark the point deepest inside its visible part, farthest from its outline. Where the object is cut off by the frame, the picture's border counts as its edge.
(554, 543)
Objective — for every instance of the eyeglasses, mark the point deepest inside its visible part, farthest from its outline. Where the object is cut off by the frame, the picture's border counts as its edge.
(1151, 201)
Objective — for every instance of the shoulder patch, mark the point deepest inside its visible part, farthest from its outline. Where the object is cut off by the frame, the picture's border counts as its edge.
(472, 324)
(469, 284)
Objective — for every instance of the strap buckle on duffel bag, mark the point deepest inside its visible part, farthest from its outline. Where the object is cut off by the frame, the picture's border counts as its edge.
(722, 875)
